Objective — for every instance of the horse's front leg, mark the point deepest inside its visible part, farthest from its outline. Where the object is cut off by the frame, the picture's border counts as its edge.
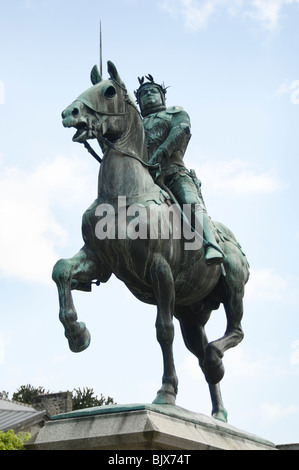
(67, 273)
(163, 285)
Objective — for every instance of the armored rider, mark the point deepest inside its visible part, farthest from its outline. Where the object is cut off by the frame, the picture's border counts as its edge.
(168, 131)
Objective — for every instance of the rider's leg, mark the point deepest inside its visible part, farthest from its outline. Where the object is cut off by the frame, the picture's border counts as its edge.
(186, 192)
(213, 254)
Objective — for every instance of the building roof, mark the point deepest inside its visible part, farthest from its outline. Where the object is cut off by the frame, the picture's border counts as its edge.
(18, 416)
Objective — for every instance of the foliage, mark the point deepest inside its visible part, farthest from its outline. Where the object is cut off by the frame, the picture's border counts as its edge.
(26, 393)
(85, 399)
(11, 441)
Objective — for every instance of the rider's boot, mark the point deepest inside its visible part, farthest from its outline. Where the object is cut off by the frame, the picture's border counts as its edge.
(213, 253)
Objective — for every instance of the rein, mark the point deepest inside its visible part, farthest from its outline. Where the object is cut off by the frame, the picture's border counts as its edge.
(92, 152)
(112, 146)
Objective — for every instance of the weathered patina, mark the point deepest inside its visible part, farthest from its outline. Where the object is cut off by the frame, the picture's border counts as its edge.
(158, 271)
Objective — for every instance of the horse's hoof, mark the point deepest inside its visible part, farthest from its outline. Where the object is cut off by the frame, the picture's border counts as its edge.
(79, 340)
(221, 415)
(165, 396)
(213, 367)
(164, 399)
(214, 373)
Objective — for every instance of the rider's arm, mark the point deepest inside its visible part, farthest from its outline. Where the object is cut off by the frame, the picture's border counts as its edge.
(177, 139)
(179, 135)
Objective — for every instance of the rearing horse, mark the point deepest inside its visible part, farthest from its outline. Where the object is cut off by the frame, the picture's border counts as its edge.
(157, 271)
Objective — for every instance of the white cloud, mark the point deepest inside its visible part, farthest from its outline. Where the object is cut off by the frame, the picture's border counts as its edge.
(2, 351)
(266, 12)
(254, 368)
(236, 177)
(290, 88)
(238, 366)
(269, 12)
(32, 4)
(4, 342)
(270, 286)
(264, 284)
(2, 92)
(294, 359)
(30, 231)
(196, 14)
(273, 412)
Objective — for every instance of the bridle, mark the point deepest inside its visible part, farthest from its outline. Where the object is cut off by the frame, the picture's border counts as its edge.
(109, 145)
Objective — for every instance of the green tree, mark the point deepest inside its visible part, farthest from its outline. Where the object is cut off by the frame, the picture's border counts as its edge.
(26, 393)
(11, 441)
(86, 399)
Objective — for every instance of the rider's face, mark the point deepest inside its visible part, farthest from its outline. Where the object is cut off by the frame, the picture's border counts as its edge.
(150, 97)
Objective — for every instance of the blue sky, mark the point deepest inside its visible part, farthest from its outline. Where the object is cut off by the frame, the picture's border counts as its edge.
(233, 66)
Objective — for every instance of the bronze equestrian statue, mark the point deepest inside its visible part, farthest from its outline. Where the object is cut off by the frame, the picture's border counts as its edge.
(157, 270)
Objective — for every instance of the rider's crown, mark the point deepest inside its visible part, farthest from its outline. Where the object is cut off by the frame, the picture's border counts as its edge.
(162, 89)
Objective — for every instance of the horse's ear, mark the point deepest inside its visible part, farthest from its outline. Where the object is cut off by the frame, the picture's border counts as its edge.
(114, 73)
(95, 75)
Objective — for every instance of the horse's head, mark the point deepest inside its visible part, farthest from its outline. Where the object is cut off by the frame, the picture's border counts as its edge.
(99, 111)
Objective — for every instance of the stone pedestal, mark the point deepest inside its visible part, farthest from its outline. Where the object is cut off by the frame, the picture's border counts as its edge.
(142, 427)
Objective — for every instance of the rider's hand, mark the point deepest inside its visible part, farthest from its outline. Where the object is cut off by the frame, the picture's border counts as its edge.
(158, 156)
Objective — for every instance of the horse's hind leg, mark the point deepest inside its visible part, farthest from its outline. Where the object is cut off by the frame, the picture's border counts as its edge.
(233, 293)
(67, 273)
(194, 335)
(163, 286)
